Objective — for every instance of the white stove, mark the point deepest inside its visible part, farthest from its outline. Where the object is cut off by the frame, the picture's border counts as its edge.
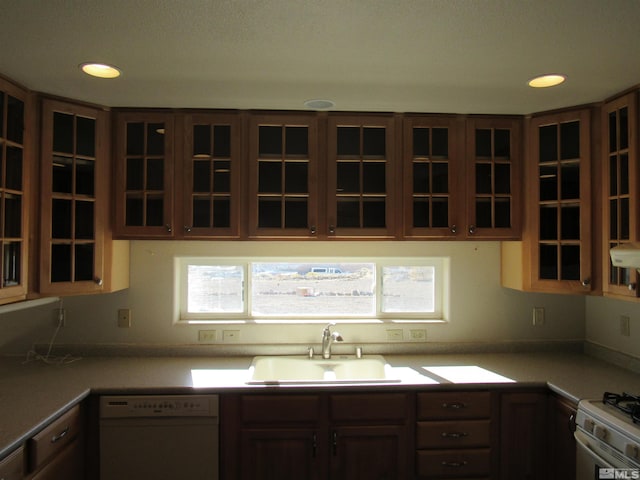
(608, 438)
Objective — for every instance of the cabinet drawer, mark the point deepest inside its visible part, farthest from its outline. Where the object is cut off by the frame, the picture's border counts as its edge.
(12, 467)
(453, 463)
(384, 407)
(453, 434)
(53, 438)
(281, 409)
(451, 405)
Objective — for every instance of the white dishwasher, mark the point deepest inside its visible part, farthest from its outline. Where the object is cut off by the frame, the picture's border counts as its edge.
(159, 437)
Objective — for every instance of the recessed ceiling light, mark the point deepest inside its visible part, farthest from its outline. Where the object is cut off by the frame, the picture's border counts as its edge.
(547, 80)
(100, 70)
(319, 104)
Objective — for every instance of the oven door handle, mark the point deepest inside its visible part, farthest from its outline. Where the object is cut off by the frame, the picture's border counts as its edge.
(582, 442)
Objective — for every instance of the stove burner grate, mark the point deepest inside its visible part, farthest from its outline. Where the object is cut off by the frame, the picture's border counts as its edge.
(626, 403)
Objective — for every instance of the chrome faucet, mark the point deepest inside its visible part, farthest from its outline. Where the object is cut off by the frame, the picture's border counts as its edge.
(327, 339)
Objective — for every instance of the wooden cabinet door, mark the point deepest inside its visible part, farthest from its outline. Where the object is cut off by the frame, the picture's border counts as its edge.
(15, 189)
(562, 443)
(371, 452)
(621, 191)
(74, 198)
(432, 170)
(144, 175)
(212, 167)
(67, 465)
(493, 175)
(281, 453)
(362, 169)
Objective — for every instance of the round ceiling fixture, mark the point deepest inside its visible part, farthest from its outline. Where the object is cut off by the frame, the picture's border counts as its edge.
(100, 70)
(547, 80)
(319, 104)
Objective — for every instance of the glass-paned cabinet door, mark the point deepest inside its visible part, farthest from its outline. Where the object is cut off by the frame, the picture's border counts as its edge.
(13, 193)
(212, 170)
(283, 183)
(620, 187)
(560, 214)
(432, 169)
(361, 176)
(494, 163)
(73, 186)
(144, 175)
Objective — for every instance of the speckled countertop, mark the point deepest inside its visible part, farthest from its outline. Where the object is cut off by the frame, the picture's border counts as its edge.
(33, 394)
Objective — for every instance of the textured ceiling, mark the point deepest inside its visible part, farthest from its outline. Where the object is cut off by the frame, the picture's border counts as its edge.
(458, 56)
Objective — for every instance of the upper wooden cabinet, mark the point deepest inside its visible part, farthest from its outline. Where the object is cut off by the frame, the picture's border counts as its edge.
(432, 169)
(621, 191)
(15, 168)
(283, 176)
(144, 175)
(493, 162)
(212, 169)
(362, 168)
(76, 250)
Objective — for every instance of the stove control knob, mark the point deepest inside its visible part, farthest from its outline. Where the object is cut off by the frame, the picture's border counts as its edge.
(631, 450)
(600, 432)
(588, 425)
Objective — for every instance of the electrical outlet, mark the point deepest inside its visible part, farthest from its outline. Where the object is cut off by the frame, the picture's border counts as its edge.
(418, 334)
(395, 334)
(124, 318)
(207, 336)
(230, 335)
(625, 328)
(538, 316)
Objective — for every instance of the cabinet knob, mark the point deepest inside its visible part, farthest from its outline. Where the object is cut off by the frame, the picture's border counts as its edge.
(332, 229)
(98, 281)
(454, 228)
(472, 229)
(631, 287)
(187, 229)
(313, 229)
(168, 227)
(586, 282)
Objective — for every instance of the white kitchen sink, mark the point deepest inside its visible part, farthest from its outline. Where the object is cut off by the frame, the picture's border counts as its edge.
(337, 369)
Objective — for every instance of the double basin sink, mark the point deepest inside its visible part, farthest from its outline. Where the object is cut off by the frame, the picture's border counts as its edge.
(295, 369)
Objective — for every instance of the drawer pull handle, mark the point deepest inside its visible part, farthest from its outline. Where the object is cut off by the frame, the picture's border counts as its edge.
(454, 434)
(454, 405)
(60, 436)
(454, 464)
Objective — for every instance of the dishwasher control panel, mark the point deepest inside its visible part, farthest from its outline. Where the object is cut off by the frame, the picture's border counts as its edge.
(145, 406)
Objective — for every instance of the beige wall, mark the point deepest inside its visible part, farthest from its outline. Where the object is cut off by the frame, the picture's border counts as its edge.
(602, 324)
(480, 309)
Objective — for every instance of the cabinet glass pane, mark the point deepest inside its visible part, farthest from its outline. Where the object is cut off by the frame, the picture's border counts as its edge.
(269, 213)
(624, 219)
(84, 220)
(624, 128)
(483, 143)
(570, 255)
(295, 213)
(201, 140)
(15, 119)
(483, 178)
(62, 175)
(85, 177)
(60, 263)
(373, 177)
(296, 141)
(348, 180)
(155, 174)
(13, 174)
(570, 181)
(134, 210)
(483, 213)
(155, 211)
(155, 139)
(296, 177)
(440, 143)
(373, 213)
(440, 177)
(85, 136)
(135, 138)
(348, 212)
(2, 101)
(269, 140)
(84, 263)
(62, 133)
(222, 176)
(269, 177)
(548, 143)
(440, 209)
(613, 218)
(373, 142)
(548, 262)
(502, 140)
(502, 212)
(11, 261)
(135, 174)
(221, 212)
(61, 212)
(570, 222)
(222, 141)
(548, 223)
(613, 175)
(421, 213)
(420, 177)
(548, 183)
(348, 141)
(201, 176)
(613, 132)
(12, 215)
(624, 174)
(421, 142)
(502, 172)
(201, 212)
(569, 140)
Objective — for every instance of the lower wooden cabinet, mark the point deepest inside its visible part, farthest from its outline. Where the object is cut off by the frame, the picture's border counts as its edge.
(12, 466)
(562, 443)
